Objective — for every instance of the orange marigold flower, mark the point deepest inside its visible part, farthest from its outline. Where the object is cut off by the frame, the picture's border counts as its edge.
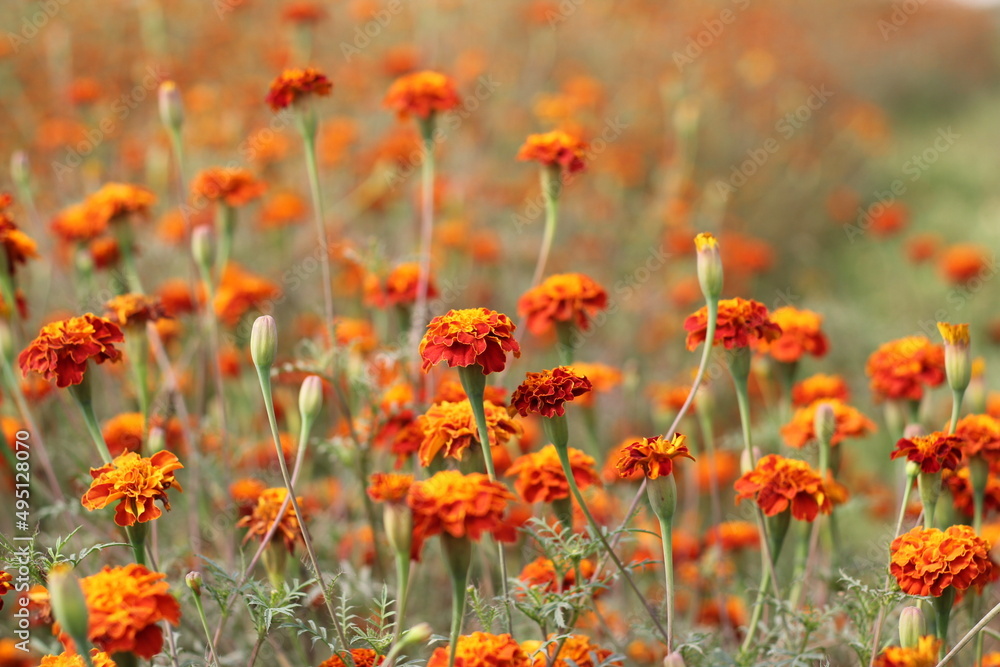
(850, 423)
(233, 186)
(733, 535)
(6, 585)
(779, 484)
(389, 487)
(960, 485)
(246, 491)
(362, 657)
(928, 561)
(565, 297)
(557, 148)
(303, 12)
(543, 573)
(451, 427)
(115, 201)
(282, 209)
(264, 514)
(577, 651)
(295, 84)
(546, 392)
(126, 605)
(134, 310)
(401, 285)
(741, 323)
(105, 252)
(961, 263)
(980, 435)
(734, 611)
(482, 649)
(407, 442)
(422, 94)
(457, 504)
(602, 378)
(934, 452)
(800, 335)
(924, 654)
(899, 369)
(540, 476)
(137, 482)
(240, 291)
(19, 246)
(78, 223)
(653, 457)
(63, 348)
(175, 295)
(817, 387)
(74, 659)
(467, 337)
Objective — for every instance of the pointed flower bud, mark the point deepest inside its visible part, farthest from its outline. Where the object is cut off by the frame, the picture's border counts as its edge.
(825, 422)
(264, 342)
(171, 108)
(911, 627)
(957, 360)
(310, 398)
(709, 266)
(194, 581)
(69, 605)
(202, 248)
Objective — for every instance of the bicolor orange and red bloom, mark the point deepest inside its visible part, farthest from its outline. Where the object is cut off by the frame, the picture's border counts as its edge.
(18, 246)
(540, 476)
(137, 482)
(451, 428)
(850, 423)
(980, 436)
(468, 337)
(361, 657)
(960, 485)
(134, 310)
(741, 323)
(545, 393)
(401, 285)
(422, 94)
(457, 504)
(733, 535)
(74, 659)
(817, 387)
(233, 186)
(565, 297)
(900, 369)
(389, 487)
(114, 202)
(801, 334)
(482, 649)
(926, 561)
(63, 348)
(577, 651)
(264, 514)
(653, 457)
(933, 452)
(555, 149)
(78, 224)
(293, 85)
(924, 654)
(543, 573)
(780, 484)
(239, 292)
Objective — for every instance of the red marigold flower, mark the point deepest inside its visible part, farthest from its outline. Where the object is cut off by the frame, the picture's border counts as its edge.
(540, 476)
(401, 285)
(850, 423)
(74, 659)
(733, 535)
(467, 337)
(980, 436)
(362, 657)
(451, 428)
(389, 487)
(962, 262)
(457, 504)
(134, 310)
(482, 649)
(115, 201)
(295, 84)
(137, 482)
(62, 349)
(422, 94)
(741, 323)
(653, 457)
(264, 514)
(240, 291)
(565, 297)
(819, 386)
(800, 335)
(924, 654)
(576, 651)
(779, 484)
(557, 148)
(78, 224)
(960, 485)
(934, 452)
(546, 392)
(233, 186)
(899, 369)
(928, 561)
(245, 493)
(544, 574)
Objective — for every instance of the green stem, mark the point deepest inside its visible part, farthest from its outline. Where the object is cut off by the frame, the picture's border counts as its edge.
(81, 393)
(458, 556)
(137, 541)
(225, 230)
(956, 406)
(551, 189)
(743, 400)
(403, 590)
(758, 610)
(666, 541)
(204, 624)
(801, 558)
(977, 628)
(942, 614)
(565, 347)
(419, 315)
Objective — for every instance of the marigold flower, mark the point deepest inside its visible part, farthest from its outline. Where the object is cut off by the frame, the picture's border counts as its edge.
(577, 651)
(19, 246)
(451, 390)
(362, 657)
(540, 476)
(800, 335)
(295, 84)
(962, 262)
(467, 337)
(74, 659)
(239, 292)
(134, 310)
(564, 297)
(457, 504)
(264, 514)
(303, 12)
(137, 482)
(401, 285)
(78, 224)
(850, 423)
(124, 432)
(63, 348)
(114, 201)
(819, 386)
(125, 606)
(653, 457)
(557, 148)
(6, 585)
(451, 427)
(422, 94)
(733, 535)
(780, 483)
(233, 186)
(980, 436)
(741, 323)
(960, 485)
(924, 654)
(389, 487)
(546, 392)
(542, 573)
(928, 561)
(933, 453)
(245, 493)
(901, 368)
(482, 649)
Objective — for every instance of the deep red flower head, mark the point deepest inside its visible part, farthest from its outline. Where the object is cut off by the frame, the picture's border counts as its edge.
(421, 94)
(545, 393)
(294, 84)
(62, 349)
(934, 452)
(741, 323)
(471, 336)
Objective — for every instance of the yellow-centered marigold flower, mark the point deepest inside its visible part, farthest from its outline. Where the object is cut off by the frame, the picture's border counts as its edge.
(451, 428)
(924, 654)
(264, 514)
(137, 482)
(801, 334)
(457, 504)
(653, 457)
(928, 561)
(540, 476)
(482, 649)
(933, 452)
(780, 484)
(134, 310)
(565, 297)
(900, 369)
(467, 337)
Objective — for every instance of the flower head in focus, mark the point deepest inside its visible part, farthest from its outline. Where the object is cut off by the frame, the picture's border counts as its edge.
(63, 348)
(451, 428)
(653, 457)
(467, 337)
(780, 483)
(741, 323)
(456, 504)
(545, 393)
(933, 452)
(137, 482)
(928, 561)
(564, 297)
(293, 85)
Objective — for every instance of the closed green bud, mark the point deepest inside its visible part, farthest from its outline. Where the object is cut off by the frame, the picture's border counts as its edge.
(824, 422)
(311, 398)
(662, 493)
(69, 605)
(171, 108)
(709, 266)
(911, 627)
(194, 581)
(673, 660)
(202, 248)
(264, 341)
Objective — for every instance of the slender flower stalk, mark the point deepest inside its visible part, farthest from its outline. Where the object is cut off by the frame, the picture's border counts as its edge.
(194, 580)
(427, 168)
(81, 394)
(551, 179)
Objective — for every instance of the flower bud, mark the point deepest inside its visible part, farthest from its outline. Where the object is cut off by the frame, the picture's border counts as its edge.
(171, 108)
(662, 493)
(69, 605)
(673, 660)
(157, 440)
(398, 522)
(418, 634)
(709, 266)
(913, 431)
(824, 422)
(310, 398)
(957, 361)
(746, 465)
(911, 627)
(193, 581)
(264, 341)
(202, 248)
